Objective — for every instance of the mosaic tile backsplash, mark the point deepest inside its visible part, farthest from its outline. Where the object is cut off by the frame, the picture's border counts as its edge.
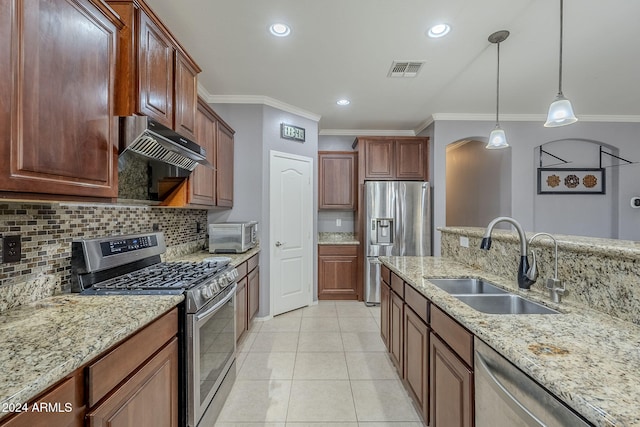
(47, 229)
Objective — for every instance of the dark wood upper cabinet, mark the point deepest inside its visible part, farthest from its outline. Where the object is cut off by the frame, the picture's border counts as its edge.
(379, 159)
(186, 96)
(156, 58)
(58, 134)
(156, 76)
(393, 158)
(224, 172)
(338, 177)
(411, 159)
(208, 187)
(203, 180)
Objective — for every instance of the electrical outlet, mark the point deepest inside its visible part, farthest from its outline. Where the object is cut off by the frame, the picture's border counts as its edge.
(338, 222)
(11, 249)
(464, 241)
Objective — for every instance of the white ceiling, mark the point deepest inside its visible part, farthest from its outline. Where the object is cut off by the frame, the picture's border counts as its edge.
(344, 49)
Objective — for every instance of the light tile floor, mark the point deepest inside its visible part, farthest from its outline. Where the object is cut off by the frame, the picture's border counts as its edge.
(323, 365)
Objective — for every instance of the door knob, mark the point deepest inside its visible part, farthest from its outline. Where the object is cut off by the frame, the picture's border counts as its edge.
(278, 243)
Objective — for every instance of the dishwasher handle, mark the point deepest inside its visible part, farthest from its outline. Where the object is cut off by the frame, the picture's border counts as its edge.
(507, 397)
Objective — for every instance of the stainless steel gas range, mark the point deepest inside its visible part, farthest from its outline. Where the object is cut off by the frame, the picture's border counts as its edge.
(132, 265)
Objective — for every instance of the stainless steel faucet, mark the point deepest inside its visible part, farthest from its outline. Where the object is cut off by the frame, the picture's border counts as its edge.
(525, 274)
(555, 286)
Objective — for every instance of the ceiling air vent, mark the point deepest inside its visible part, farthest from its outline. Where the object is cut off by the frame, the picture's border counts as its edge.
(405, 68)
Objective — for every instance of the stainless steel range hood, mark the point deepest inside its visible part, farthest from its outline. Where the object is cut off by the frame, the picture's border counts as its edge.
(146, 137)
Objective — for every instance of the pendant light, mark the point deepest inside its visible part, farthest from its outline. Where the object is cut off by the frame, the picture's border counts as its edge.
(560, 110)
(497, 138)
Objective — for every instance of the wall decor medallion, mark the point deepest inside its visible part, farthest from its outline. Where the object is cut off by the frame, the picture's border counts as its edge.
(571, 181)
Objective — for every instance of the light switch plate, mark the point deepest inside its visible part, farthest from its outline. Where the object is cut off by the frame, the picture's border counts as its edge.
(464, 241)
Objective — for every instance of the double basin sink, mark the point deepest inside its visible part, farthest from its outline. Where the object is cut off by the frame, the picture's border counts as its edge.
(488, 298)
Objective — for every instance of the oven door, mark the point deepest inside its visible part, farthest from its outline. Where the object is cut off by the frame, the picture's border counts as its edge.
(211, 349)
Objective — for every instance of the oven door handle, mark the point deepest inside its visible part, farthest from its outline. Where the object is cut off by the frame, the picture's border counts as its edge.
(201, 316)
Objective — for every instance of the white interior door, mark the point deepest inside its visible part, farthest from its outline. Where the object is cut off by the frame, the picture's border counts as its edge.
(291, 218)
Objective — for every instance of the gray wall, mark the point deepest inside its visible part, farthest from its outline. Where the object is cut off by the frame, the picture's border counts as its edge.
(478, 184)
(257, 133)
(524, 137)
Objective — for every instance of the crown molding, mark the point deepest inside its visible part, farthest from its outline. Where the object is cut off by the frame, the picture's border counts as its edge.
(256, 99)
(365, 132)
(423, 125)
(530, 118)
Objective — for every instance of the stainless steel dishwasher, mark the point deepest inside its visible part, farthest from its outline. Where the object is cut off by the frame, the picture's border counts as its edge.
(507, 397)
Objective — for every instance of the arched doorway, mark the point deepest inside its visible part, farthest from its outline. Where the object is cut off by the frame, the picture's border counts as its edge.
(478, 183)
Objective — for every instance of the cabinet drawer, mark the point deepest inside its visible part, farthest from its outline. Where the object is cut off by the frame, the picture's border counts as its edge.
(66, 398)
(454, 334)
(418, 302)
(242, 270)
(385, 273)
(252, 262)
(107, 372)
(397, 284)
(347, 250)
(147, 398)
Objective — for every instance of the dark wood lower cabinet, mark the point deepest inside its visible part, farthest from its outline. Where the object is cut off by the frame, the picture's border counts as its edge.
(385, 304)
(143, 400)
(396, 336)
(451, 387)
(416, 360)
(67, 399)
(241, 308)
(338, 272)
(253, 295)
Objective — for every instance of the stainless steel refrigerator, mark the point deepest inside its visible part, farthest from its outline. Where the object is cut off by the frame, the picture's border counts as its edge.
(397, 223)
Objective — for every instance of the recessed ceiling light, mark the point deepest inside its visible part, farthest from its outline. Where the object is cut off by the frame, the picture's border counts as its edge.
(280, 30)
(343, 102)
(439, 30)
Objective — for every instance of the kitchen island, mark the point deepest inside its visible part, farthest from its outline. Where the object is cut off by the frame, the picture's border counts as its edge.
(584, 357)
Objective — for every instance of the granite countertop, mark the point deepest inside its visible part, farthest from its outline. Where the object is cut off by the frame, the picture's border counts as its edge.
(587, 359)
(327, 238)
(613, 248)
(236, 259)
(44, 341)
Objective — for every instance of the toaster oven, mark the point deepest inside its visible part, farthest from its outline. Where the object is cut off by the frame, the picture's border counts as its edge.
(233, 237)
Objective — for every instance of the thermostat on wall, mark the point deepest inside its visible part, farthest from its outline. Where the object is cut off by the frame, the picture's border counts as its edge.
(635, 202)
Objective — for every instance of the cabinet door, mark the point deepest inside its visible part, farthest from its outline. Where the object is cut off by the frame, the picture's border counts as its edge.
(203, 179)
(451, 388)
(147, 399)
(224, 191)
(57, 127)
(337, 174)
(396, 336)
(241, 308)
(411, 159)
(337, 272)
(186, 96)
(379, 161)
(385, 306)
(254, 293)
(155, 74)
(67, 399)
(416, 360)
